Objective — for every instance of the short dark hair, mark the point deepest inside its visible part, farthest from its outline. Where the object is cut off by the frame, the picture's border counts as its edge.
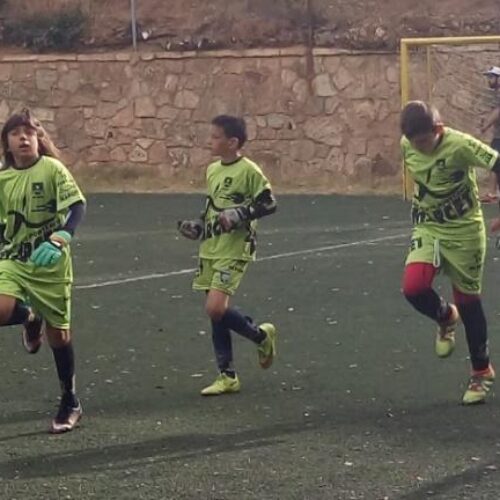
(417, 118)
(232, 127)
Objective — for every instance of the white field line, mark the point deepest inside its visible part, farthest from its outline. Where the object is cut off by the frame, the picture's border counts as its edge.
(153, 276)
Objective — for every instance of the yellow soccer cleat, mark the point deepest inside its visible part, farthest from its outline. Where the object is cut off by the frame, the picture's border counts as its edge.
(267, 350)
(445, 336)
(479, 386)
(223, 384)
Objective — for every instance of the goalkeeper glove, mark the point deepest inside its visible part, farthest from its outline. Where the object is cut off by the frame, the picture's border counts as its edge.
(233, 218)
(191, 229)
(49, 252)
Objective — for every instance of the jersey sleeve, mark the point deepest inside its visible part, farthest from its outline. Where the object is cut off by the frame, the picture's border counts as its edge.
(67, 190)
(258, 182)
(478, 154)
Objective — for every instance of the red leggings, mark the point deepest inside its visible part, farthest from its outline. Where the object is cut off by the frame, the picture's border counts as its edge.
(418, 278)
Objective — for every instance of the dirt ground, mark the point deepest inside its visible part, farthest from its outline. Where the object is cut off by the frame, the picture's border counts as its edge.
(355, 24)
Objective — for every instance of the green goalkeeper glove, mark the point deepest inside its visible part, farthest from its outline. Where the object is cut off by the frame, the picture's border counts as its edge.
(49, 252)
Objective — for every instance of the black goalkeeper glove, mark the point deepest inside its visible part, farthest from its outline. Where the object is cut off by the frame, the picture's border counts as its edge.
(191, 229)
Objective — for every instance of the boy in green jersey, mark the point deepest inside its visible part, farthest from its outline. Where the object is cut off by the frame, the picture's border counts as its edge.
(40, 208)
(238, 195)
(448, 234)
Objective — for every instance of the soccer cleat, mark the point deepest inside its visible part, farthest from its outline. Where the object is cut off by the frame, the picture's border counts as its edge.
(223, 384)
(479, 386)
(445, 336)
(267, 349)
(32, 333)
(67, 416)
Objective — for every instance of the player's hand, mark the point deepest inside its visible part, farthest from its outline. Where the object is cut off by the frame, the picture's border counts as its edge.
(495, 225)
(49, 252)
(190, 229)
(233, 218)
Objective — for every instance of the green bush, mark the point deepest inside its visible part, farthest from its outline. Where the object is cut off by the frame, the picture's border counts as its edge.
(43, 32)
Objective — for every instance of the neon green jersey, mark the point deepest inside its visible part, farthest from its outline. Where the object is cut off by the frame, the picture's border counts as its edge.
(233, 185)
(445, 199)
(33, 204)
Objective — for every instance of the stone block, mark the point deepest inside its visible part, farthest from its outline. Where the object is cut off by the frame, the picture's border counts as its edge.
(138, 155)
(324, 130)
(186, 99)
(322, 86)
(124, 117)
(45, 79)
(144, 107)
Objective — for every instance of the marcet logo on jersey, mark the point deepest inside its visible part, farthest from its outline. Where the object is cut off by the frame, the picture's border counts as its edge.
(37, 189)
(441, 163)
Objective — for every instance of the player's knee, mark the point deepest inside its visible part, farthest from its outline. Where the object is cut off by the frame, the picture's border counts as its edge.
(215, 310)
(463, 299)
(6, 310)
(58, 337)
(414, 286)
(417, 279)
(414, 289)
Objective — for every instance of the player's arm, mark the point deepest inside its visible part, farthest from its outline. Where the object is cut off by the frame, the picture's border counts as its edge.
(495, 223)
(264, 204)
(493, 118)
(76, 214)
(70, 201)
(50, 251)
(476, 153)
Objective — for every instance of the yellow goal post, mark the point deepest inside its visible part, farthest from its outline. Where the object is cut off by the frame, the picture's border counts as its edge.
(448, 72)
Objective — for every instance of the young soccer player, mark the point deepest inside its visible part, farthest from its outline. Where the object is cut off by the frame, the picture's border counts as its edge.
(493, 121)
(238, 195)
(40, 208)
(448, 234)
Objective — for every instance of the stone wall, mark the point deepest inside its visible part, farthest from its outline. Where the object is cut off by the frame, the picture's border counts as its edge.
(140, 121)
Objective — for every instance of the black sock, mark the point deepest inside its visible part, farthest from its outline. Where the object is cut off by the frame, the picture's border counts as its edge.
(65, 364)
(476, 332)
(223, 348)
(243, 325)
(430, 304)
(19, 315)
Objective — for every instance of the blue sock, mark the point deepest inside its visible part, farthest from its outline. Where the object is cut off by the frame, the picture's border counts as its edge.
(223, 348)
(243, 325)
(65, 363)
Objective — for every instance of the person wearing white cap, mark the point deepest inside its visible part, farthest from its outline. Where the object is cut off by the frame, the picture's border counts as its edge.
(493, 120)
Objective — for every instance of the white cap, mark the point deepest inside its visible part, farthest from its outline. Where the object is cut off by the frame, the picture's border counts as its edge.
(493, 71)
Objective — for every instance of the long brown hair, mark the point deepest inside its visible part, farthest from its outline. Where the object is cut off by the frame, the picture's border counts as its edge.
(25, 118)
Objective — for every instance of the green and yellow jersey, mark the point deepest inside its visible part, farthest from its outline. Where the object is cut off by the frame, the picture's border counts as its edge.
(34, 203)
(445, 200)
(229, 186)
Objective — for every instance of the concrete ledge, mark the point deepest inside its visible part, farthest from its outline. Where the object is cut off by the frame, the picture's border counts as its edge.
(294, 51)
